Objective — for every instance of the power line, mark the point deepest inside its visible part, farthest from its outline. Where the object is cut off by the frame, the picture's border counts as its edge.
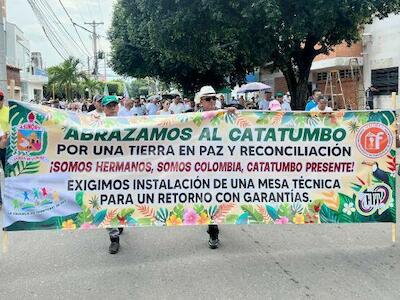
(74, 24)
(53, 39)
(50, 32)
(58, 23)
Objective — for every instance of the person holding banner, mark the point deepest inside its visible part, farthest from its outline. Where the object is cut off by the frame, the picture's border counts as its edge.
(207, 98)
(111, 107)
(4, 130)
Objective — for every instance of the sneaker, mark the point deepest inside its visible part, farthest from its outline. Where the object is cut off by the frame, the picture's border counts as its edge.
(213, 242)
(114, 246)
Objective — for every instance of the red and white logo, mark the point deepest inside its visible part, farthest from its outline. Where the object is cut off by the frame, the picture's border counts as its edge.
(374, 140)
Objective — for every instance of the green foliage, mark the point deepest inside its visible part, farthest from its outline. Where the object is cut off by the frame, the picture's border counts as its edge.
(79, 198)
(284, 210)
(254, 215)
(99, 217)
(231, 219)
(22, 168)
(272, 212)
(66, 76)
(212, 210)
(85, 216)
(162, 215)
(328, 215)
(178, 211)
(199, 208)
(195, 43)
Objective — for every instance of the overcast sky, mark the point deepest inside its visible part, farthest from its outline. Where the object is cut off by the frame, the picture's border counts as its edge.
(20, 13)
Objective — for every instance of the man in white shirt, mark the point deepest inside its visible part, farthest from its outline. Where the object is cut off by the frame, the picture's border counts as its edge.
(98, 112)
(264, 103)
(322, 105)
(126, 110)
(138, 109)
(152, 107)
(177, 106)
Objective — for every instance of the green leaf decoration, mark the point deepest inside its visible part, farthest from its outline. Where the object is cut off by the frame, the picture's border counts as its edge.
(197, 119)
(85, 216)
(199, 208)
(385, 117)
(344, 199)
(216, 120)
(162, 215)
(272, 212)
(231, 219)
(212, 211)
(285, 210)
(254, 215)
(79, 198)
(327, 215)
(345, 218)
(145, 221)
(23, 168)
(230, 118)
(126, 212)
(179, 210)
(393, 152)
(99, 217)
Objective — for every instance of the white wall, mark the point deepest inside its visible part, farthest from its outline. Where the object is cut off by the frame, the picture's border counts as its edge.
(381, 42)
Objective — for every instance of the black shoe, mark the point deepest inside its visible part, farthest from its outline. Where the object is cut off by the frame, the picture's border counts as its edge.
(114, 246)
(213, 242)
(121, 230)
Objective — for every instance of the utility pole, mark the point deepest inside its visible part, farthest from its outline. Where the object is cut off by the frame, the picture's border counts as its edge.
(95, 37)
(3, 68)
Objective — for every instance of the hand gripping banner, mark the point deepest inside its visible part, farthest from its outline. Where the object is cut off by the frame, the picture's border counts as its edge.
(69, 171)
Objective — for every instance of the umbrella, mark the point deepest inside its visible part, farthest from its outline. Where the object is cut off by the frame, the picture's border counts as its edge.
(253, 87)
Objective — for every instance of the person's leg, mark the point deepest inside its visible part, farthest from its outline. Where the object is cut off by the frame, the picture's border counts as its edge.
(213, 231)
(114, 238)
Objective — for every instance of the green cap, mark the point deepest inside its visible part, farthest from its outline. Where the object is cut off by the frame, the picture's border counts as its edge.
(109, 99)
(279, 94)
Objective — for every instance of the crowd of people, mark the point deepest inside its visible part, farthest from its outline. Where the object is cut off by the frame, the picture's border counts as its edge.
(162, 106)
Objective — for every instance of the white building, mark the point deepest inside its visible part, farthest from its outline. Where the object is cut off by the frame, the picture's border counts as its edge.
(381, 51)
(18, 55)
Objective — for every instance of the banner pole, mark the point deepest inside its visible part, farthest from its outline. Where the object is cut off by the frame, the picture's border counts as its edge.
(394, 228)
(5, 242)
(394, 233)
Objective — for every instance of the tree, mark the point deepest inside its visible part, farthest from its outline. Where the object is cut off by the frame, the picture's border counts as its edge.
(67, 76)
(196, 42)
(176, 41)
(303, 29)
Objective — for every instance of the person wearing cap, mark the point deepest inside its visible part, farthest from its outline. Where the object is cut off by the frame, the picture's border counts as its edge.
(285, 106)
(322, 105)
(110, 107)
(98, 111)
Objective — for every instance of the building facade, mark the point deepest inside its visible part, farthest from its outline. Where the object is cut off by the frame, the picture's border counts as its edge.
(347, 72)
(32, 77)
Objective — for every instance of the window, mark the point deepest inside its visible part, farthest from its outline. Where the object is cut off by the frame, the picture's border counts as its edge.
(385, 81)
(322, 76)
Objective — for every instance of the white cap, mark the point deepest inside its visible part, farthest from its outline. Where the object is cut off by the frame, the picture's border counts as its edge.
(207, 90)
